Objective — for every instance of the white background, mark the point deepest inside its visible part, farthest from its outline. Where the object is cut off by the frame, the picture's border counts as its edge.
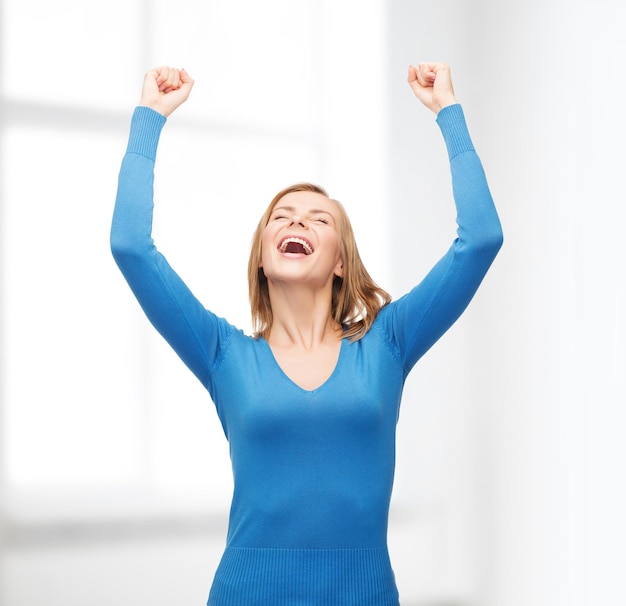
(114, 473)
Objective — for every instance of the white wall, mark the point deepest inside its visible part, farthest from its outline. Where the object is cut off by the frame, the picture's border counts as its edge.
(518, 413)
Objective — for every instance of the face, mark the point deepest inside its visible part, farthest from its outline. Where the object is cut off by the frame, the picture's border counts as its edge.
(301, 242)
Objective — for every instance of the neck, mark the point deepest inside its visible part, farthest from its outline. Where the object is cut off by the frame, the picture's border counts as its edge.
(302, 316)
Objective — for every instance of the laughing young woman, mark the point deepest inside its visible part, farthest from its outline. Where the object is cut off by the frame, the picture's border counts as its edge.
(309, 402)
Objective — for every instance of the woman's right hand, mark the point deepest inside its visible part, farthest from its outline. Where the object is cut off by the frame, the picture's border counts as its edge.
(165, 88)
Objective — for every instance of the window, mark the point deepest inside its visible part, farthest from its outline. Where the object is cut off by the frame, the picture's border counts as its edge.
(99, 416)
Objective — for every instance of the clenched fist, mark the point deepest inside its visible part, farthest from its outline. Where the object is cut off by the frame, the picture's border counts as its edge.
(432, 85)
(165, 88)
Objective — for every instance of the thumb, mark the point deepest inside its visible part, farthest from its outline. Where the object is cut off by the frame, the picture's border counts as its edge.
(413, 81)
(186, 80)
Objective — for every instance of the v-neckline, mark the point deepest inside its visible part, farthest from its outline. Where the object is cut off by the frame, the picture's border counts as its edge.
(295, 383)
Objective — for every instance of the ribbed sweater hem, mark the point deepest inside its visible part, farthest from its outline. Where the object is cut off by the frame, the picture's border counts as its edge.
(145, 131)
(451, 121)
(304, 577)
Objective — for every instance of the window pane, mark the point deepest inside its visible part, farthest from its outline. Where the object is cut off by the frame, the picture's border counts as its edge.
(72, 52)
(70, 389)
(253, 62)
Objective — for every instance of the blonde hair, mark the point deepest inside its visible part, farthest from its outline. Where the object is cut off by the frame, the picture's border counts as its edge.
(356, 298)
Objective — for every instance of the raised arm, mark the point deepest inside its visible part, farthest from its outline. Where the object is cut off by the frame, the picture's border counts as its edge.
(418, 319)
(193, 332)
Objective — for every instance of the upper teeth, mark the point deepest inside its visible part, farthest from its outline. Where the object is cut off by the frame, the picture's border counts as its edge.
(307, 247)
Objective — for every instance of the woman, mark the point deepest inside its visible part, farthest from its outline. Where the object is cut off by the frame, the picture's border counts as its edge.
(309, 403)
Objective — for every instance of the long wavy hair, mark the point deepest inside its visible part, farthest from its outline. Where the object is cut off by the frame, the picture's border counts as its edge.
(356, 298)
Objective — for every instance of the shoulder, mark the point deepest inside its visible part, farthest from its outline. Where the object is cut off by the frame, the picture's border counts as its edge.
(380, 335)
(234, 340)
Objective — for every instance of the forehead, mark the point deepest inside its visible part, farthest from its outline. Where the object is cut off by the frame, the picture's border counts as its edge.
(306, 202)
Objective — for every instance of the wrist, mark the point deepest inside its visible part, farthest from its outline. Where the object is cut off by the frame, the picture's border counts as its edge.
(153, 105)
(442, 103)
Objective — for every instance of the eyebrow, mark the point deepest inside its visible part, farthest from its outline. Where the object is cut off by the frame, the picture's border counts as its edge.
(312, 211)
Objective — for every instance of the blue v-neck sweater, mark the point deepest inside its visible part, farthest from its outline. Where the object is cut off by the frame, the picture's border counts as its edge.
(313, 470)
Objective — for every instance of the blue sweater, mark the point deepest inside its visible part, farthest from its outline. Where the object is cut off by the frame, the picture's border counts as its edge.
(313, 470)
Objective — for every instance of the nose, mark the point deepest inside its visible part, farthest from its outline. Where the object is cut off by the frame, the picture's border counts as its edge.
(298, 221)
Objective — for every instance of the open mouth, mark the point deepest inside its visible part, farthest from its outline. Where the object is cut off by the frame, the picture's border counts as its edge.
(295, 245)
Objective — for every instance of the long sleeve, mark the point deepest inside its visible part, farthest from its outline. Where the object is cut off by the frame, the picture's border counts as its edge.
(171, 307)
(417, 320)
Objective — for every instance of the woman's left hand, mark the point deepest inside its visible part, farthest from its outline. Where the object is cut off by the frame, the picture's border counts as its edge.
(432, 85)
